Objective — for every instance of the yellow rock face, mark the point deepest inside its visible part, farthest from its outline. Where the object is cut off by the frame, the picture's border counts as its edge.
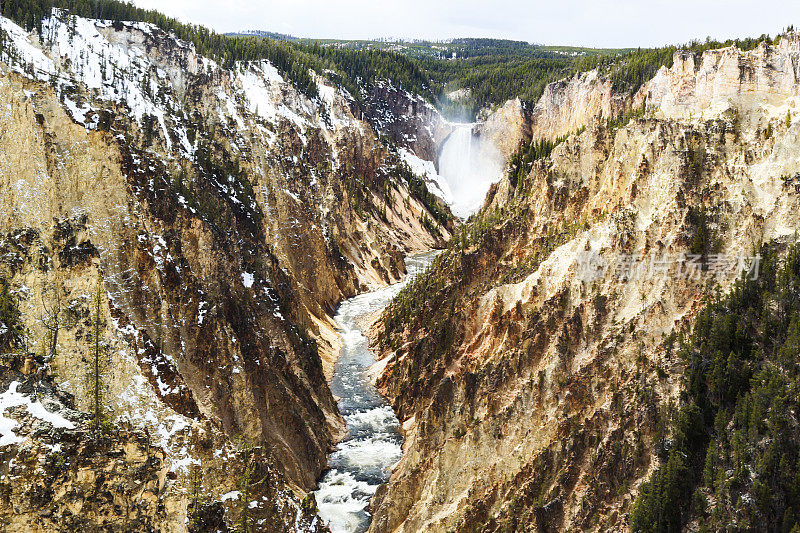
(212, 231)
(529, 389)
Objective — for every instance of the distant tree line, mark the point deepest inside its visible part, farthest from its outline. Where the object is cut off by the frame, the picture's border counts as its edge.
(294, 60)
(630, 71)
(494, 70)
(30, 13)
(504, 70)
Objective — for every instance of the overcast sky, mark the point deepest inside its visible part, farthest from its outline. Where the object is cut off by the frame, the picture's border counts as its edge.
(600, 23)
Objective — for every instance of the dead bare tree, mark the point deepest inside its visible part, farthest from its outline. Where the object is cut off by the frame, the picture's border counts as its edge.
(53, 317)
(97, 360)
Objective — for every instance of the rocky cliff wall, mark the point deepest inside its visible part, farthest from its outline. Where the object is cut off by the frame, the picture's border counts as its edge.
(531, 367)
(220, 215)
(758, 85)
(507, 128)
(569, 104)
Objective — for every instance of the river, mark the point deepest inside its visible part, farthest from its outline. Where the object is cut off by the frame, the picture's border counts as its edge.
(373, 445)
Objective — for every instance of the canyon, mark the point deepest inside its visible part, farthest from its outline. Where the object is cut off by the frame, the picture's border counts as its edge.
(220, 216)
(203, 257)
(531, 367)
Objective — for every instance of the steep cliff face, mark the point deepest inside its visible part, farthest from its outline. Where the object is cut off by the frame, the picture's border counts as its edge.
(212, 219)
(532, 366)
(567, 105)
(507, 128)
(758, 84)
(408, 119)
(72, 478)
(61, 473)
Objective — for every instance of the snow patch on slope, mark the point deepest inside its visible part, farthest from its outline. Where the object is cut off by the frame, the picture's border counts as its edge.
(28, 55)
(263, 87)
(12, 398)
(427, 170)
(121, 71)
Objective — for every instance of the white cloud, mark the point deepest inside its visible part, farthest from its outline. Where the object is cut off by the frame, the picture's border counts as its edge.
(608, 23)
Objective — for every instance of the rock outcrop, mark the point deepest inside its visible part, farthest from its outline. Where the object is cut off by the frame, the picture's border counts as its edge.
(758, 85)
(567, 105)
(210, 220)
(532, 367)
(507, 128)
(408, 119)
(65, 473)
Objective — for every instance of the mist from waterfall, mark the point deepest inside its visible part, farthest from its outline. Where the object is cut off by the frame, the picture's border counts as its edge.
(469, 166)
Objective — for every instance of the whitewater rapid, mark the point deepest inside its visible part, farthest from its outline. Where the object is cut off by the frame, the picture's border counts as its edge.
(373, 445)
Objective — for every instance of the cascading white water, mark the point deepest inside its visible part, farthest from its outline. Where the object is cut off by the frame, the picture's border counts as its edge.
(469, 166)
(363, 460)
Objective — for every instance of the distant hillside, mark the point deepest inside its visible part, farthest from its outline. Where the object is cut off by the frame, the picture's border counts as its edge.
(483, 72)
(486, 72)
(462, 76)
(267, 34)
(441, 49)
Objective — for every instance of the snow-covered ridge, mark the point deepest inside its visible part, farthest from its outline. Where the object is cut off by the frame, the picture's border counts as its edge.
(140, 66)
(120, 72)
(151, 75)
(113, 66)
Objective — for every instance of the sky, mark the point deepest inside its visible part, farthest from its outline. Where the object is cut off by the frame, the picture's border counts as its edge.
(596, 23)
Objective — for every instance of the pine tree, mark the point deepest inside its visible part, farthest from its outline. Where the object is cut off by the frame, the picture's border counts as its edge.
(11, 328)
(54, 318)
(245, 485)
(196, 498)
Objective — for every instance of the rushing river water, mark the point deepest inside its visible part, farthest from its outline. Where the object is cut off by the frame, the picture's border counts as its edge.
(364, 459)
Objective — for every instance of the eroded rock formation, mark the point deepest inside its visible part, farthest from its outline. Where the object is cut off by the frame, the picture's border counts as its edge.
(531, 367)
(210, 220)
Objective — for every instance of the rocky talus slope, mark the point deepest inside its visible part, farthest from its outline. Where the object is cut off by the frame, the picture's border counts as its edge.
(532, 367)
(210, 220)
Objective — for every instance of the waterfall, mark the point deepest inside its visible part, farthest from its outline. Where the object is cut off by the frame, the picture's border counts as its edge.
(469, 166)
